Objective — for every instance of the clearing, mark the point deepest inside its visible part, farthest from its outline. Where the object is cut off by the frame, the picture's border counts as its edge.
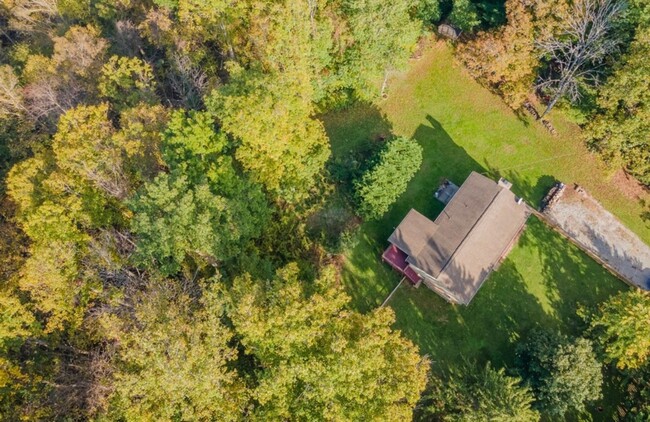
(462, 127)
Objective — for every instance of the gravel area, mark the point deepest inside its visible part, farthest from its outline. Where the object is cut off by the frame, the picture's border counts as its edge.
(597, 230)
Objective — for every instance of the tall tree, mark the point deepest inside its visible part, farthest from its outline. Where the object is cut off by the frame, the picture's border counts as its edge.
(174, 360)
(577, 53)
(126, 82)
(281, 144)
(621, 128)
(85, 147)
(174, 218)
(470, 393)
(203, 208)
(564, 375)
(380, 186)
(319, 360)
(505, 58)
(622, 327)
(464, 15)
(383, 35)
(68, 78)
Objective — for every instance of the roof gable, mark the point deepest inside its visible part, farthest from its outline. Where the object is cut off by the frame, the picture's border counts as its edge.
(412, 233)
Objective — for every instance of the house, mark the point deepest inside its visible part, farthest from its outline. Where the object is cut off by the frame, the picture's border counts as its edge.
(454, 254)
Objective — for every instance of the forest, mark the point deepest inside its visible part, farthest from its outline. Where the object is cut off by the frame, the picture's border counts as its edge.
(166, 177)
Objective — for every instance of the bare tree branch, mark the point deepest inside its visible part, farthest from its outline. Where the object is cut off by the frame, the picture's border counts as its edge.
(578, 52)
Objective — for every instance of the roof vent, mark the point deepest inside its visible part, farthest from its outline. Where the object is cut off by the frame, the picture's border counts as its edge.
(504, 183)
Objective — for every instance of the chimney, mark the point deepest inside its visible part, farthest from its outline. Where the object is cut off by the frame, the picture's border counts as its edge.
(504, 183)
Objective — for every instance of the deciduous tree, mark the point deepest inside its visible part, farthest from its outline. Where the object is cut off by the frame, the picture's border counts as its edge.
(576, 54)
(319, 360)
(383, 35)
(174, 218)
(281, 144)
(464, 15)
(622, 327)
(174, 360)
(506, 58)
(469, 393)
(127, 81)
(621, 128)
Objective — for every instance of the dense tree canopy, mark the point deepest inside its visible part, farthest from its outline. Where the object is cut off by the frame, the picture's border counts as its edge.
(174, 360)
(162, 163)
(321, 360)
(621, 130)
(470, 393)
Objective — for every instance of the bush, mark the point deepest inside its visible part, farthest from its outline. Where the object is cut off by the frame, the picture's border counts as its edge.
(379, 187)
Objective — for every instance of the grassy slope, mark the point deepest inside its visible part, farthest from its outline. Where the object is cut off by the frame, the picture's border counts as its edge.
(463, 127)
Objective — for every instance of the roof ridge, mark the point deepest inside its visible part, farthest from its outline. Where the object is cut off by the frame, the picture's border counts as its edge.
(456, 195)
(469, 232)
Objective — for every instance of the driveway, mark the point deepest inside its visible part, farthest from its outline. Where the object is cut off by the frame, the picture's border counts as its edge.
(595, 229)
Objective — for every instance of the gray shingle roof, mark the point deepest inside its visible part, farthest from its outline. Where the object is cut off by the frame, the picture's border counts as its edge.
(461, 247)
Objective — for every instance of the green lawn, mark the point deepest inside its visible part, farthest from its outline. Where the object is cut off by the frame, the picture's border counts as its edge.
(463, 127)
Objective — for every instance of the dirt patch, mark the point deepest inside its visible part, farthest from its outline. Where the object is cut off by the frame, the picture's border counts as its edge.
(594, 228)
(628, 185)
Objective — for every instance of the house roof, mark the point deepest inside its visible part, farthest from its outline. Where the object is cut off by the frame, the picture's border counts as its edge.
(455, 222)
(413, 232)
(467, 239)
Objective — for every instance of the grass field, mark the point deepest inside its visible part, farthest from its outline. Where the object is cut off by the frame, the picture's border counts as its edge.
(463, 127)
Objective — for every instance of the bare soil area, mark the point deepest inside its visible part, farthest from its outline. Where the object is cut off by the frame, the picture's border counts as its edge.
(597, 230)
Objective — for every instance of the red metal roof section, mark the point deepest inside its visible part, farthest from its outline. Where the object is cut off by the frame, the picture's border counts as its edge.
(397, 259)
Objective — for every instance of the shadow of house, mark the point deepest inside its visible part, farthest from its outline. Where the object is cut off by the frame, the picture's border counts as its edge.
(487, 329)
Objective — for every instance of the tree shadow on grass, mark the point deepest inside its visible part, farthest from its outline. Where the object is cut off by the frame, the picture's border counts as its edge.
(532, 191)
(487, 330)
(572, 279)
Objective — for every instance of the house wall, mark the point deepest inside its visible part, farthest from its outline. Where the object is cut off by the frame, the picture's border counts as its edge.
(434, 285)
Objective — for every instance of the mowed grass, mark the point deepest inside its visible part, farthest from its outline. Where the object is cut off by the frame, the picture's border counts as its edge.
(462, 127)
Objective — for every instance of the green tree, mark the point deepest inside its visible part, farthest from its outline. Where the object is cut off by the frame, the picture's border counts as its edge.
(469, 393)
(203, 208)
(621, 128)
(622, 327)
(191, 147)
(174, 218)
(85, 147)
(127, 81)
(319, 360)
(140, 137)
(464, 15)
(564, 375)
(383, 35)
(174, 360)
(379, 187)
(281, 144)
(428, 11)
